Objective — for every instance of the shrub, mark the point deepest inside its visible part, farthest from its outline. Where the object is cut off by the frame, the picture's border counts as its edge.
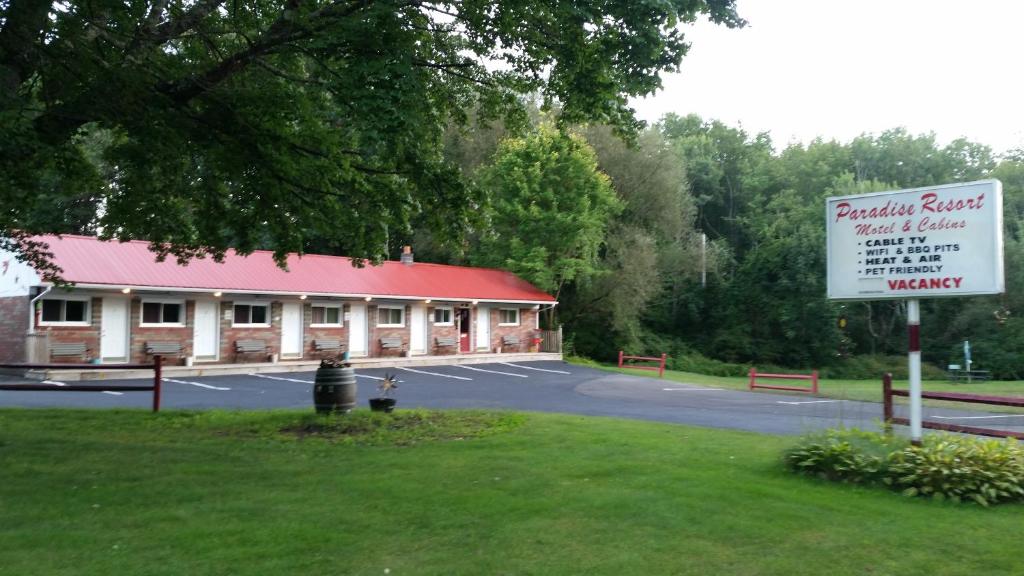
(959, 468)
(846, 455)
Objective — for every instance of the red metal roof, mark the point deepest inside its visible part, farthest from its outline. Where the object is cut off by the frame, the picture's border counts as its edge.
(87, 260)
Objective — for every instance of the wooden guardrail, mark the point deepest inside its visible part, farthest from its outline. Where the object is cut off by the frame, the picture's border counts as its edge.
(887, 410)
(157, 367)
(813, 377)
(660, 368)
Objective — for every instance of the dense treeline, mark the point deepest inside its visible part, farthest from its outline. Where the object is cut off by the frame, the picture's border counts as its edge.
(615, 231)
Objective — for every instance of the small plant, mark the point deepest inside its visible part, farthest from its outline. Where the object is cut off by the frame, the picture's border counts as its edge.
(959, 468)
(388, 385)
(336, 362)
(847, 455)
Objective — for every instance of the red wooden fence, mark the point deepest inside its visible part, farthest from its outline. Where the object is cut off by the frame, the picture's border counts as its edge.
(157, 366)
(813, 377)
(660, 368)
(888, 393)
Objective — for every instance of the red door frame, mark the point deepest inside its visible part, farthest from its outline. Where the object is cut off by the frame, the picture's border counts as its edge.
(464, 323)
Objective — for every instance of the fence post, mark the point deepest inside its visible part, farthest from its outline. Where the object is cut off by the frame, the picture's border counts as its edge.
(661, 370)
(753, 377)
(814, 382)
(887, 402)
(157, 379)
(560, 339)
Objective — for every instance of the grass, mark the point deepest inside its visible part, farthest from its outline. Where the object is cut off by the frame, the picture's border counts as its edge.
(128, 492)
(864, 390)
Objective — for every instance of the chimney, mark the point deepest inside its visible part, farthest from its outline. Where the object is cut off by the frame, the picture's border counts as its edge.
(407, 255)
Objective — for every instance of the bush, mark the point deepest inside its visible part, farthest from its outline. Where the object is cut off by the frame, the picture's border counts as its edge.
(846, 455)
(945, 466)
(872, 366)
(959, 468)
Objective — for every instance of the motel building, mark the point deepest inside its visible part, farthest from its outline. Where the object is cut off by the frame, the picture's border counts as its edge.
(124, 307)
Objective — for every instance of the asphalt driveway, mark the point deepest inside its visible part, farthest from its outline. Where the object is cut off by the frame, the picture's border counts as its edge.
(531, 386)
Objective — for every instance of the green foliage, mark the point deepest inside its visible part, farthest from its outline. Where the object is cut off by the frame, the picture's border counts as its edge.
(959, 468)
(873, 366)
(846, 455)
(280, 124)
(944, 466)
(550, 207)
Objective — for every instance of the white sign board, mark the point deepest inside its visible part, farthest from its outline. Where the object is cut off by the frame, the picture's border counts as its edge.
(935, 241)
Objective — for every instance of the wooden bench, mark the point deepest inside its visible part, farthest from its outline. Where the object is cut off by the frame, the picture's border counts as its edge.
(510, 341)
(250, 347)
(391, 343)
(328, 345)
(443, 341)
(969, 375)
(68, 349)
(164, 348)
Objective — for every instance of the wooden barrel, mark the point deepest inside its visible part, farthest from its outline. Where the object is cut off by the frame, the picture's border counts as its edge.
(334, 390)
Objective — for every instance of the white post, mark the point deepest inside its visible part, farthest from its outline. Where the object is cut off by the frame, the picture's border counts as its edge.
(914, 359)
(703, 260)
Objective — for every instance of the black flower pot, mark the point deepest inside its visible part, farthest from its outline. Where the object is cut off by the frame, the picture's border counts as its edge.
(382, 404)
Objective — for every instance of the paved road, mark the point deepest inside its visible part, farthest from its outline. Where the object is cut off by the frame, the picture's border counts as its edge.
(533, 386)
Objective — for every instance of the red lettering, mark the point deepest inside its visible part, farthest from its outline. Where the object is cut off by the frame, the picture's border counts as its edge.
(925, 283)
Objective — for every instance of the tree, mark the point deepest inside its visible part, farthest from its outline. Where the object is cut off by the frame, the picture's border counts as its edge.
(263, 123)
(550, 207)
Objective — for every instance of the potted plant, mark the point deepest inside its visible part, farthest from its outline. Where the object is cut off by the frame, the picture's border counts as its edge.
(385, 402)
(334, 388)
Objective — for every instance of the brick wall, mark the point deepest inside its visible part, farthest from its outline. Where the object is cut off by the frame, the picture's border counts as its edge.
(228, 335)
(13, 327)
(376, 333)
(140, 335)
(526, 330)
(75, 334)
(310, 334)
(434, 331)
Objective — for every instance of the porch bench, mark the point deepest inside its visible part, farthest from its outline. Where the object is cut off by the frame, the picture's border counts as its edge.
(443, 341)
(250, 347)
(509, 341)
(391, 343)
(328, 345)
(68, 349)
(164, 348)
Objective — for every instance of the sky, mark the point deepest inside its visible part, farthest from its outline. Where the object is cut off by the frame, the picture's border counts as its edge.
(840, 68)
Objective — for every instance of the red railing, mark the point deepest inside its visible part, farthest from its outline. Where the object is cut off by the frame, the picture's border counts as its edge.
(660, 368)
(156, 366)
(813, 377)
(887, 410)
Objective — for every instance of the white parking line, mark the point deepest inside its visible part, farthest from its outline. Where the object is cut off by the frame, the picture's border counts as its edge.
(282, 379)
(375, 377)
(979, 417)
(54, 382)
(195, 384)
(493, 371)
(531, 368)
(690, 389)
(434, 374)
(805, 402)
(112, 393)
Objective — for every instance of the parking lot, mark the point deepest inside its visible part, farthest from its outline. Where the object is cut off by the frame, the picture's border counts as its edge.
(533, 386)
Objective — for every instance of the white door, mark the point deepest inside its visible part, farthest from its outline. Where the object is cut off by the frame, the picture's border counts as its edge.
(291, 330)
(206, 331)
(483, 328)
(418, 330)
(114, 330)
(357, 330)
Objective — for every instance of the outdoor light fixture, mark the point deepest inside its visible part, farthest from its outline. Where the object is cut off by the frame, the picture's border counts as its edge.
(475, 302)
(368, 298)
(126, 290)
(427, 301)
(218, 294)
(303, 297)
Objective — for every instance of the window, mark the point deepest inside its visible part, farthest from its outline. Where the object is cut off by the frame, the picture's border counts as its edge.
(508, 317)
(163, 313)
(391, 317)
(443, 316)
(251, 315)
(73, 312)
(326, 315)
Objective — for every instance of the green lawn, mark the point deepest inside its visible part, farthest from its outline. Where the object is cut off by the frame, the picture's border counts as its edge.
(128, 492)
(868, 390)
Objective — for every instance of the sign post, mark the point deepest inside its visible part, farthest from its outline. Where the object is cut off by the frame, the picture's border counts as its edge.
(918, 243)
